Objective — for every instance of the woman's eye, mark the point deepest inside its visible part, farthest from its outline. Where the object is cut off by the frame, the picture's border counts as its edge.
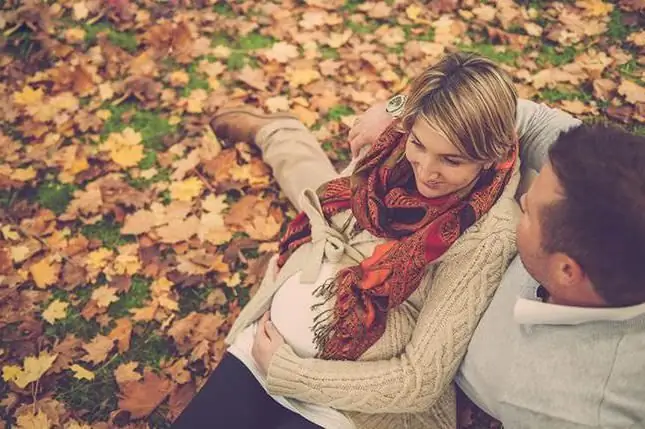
(417, 144)
(451, 161)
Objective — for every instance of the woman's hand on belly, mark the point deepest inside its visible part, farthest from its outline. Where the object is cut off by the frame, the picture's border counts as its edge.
(267, 341)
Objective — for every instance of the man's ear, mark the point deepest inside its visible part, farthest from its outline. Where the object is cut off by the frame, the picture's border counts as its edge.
(577, 286)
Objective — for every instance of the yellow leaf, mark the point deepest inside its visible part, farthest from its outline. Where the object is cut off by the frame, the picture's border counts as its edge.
(33, 421)
(595, 7)
(106, 91)
(125, 147)
(299, 77)
(104, 296)
(33, 368)
(98, 259)
(10, 372)
(28, 96)
(9, 234)
(195, 101)
(103, 114)
(57, 310)
(19, 253)
(186, 190)
(81, 373)
(44, 272)
(74, 35)
(24, 174)
(413, 12)
(127, 372)
(174, 120)
(214, 204)
(80, 11)
(178, 78)
(233, 280)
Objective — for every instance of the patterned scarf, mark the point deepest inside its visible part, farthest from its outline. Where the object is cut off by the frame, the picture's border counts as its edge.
(383, 197)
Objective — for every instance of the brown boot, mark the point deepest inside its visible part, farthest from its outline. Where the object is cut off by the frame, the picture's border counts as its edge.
(237, 124)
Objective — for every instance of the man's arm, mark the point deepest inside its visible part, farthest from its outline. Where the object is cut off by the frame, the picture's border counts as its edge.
(538, 126)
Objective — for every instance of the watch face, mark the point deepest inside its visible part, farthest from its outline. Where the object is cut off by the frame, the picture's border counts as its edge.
(395, 104)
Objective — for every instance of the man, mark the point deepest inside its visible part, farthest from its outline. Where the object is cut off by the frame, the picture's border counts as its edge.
(562, 345)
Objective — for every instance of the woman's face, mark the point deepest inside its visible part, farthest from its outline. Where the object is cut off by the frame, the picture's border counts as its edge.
(439, 168)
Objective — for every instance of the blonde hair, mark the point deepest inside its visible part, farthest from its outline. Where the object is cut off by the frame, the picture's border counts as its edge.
(468, 99)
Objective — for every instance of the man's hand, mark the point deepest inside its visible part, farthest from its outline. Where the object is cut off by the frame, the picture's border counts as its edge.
(267, 341)
(368, 127)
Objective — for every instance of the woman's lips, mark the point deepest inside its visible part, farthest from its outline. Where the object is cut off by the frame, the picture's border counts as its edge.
(432, 185)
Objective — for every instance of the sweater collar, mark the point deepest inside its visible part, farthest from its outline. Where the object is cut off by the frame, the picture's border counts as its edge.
(531, 310)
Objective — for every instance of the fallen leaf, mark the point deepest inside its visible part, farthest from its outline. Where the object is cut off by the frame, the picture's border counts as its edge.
(98, 349)
(121, 334)
(45, 272)
(282, 52)
(141, 398)
(632, 92)
(30, 420)
(55, 311)
(104, 296)
(126, 372)
(32, 369)
(81, 373)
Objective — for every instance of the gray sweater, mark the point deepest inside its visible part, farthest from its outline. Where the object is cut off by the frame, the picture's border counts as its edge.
(563, 367)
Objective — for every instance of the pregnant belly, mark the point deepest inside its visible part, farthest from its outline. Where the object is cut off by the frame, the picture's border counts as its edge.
(291, 311)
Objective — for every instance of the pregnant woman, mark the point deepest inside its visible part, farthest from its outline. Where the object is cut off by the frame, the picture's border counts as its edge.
(365, 314)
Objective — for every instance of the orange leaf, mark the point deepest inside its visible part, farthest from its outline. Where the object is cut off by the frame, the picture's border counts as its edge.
(140, 398)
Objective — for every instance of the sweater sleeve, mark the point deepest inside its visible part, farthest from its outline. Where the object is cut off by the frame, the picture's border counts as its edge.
(413, 381)
(538, 127)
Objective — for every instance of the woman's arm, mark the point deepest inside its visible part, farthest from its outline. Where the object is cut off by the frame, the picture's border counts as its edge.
(461, 289)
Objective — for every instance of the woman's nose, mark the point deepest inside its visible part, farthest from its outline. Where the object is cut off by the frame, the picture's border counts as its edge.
(428, 171)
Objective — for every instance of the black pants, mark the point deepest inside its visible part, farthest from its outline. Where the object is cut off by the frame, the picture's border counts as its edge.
(233, 398)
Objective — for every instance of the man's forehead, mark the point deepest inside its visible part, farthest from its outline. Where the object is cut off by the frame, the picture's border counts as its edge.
(546, 188)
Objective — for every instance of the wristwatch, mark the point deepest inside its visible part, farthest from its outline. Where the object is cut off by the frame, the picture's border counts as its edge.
(395, 105)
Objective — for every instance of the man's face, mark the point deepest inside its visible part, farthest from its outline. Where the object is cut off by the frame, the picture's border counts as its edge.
(544, 191)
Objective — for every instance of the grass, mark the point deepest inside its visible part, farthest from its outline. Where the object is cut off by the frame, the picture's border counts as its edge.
(55, 196)
(506, 56)
(135, 298)
(107, 232)
(556, 56)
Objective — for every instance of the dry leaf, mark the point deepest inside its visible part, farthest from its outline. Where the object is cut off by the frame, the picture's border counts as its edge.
(104, 296)
(81, 373)
(141, 398)
(121, 334)
(632, 92)
(98, 349)
(126, 372)
(55, 311)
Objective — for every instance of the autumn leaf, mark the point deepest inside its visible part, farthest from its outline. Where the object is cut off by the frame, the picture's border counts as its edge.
(28, 96)
(104, 296)
(32, 420)
(45, 272)
(186, 190)
(125, 147)
(98, 349)
(32, 369)
(55, 311)
(632, 92)
(126, 372)
(81, 373)
(141, 398)
(121, 334)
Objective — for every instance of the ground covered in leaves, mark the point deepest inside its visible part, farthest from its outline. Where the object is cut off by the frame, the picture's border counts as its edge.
(130, 237)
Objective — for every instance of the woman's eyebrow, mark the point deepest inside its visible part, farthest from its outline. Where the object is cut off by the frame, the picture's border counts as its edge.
(451, 155)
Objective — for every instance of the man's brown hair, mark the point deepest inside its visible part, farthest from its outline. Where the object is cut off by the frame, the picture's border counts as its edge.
(601, 221)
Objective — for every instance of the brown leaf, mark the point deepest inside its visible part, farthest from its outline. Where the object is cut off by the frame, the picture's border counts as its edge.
(255, 78)
(178, 372)
(98, 349)
(179, 399)
(633, 92)
(121, 333)
(141, 398)
(603, 88)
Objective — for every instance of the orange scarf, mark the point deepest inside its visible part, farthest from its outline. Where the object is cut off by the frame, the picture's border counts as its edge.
(383, 197)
